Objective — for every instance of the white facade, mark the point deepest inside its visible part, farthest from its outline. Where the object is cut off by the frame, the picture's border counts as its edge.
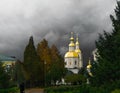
(80, 60)
(72, 63)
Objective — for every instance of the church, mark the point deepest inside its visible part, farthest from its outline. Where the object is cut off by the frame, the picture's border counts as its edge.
(73, 57)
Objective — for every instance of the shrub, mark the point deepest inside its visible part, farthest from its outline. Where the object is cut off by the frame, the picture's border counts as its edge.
(10, 90)
(116, 91)
(76, 89)
(75, 79)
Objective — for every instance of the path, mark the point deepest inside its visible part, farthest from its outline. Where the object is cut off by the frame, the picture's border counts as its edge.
(34, 90)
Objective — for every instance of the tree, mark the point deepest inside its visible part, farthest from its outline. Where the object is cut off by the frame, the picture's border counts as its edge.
(55, 53)
(54, 63)
(43, 52)
(32, 65)
(19, 72)
(4, 77)
(57, 70)
(107, 68)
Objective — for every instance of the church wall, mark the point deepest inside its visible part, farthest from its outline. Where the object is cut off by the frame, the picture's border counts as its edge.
(80, 61)
(71, 62)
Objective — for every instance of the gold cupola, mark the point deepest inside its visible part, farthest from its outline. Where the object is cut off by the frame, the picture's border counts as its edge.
(77, 45)
(71, 53)
(89, 66)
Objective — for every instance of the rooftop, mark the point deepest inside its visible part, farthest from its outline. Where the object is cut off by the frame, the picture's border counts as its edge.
(7, 58)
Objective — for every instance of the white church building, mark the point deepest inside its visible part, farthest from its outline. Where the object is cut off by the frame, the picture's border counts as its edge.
(73, 58)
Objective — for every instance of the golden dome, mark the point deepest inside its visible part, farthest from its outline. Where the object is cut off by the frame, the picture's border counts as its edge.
(89, 65)
(71, 39)
(71, 54)
(77, 50)
(71, 44)
(77, 43)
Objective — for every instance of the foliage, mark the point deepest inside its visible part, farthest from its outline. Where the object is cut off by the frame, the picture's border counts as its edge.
(107, 69)
(57, 70)
(116, 91)
(19, 72)
(44, 65)
(4, 77)
(53, 62)
(75, 79)
(10, 90)
(43, 52)
(76, 89)
(55, 73)
(32, 65)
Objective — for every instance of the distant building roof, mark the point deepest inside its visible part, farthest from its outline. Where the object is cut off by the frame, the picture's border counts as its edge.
(6, 58)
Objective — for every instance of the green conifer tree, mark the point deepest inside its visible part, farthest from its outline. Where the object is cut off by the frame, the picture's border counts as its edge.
(32, 65)
(107, 68)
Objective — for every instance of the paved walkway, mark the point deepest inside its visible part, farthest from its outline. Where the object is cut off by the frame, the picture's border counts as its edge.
(34, 90)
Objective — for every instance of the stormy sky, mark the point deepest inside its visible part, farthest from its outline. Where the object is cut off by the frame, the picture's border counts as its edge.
(52, 20)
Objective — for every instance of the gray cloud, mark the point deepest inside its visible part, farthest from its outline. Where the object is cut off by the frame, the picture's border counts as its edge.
(53, 20)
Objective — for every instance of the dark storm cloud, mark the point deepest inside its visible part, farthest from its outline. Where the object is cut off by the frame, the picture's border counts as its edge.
(53, 20)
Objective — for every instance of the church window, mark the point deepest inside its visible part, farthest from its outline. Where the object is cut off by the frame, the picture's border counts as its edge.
(75, 62)
(70, 63)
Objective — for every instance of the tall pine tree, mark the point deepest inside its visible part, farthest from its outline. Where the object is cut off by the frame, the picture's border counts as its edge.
(107, 69)
(32, 65)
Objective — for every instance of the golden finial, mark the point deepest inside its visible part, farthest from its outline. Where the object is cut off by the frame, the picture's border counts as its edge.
(76, 37)
(77, 42)
(89, 64)
(71, 34)
(72, 39)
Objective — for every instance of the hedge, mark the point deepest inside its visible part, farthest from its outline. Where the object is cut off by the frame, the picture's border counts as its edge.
(10, 90)
(76, 89)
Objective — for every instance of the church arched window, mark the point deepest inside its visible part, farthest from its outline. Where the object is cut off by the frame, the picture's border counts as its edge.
(70, 63)
(75, 62)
